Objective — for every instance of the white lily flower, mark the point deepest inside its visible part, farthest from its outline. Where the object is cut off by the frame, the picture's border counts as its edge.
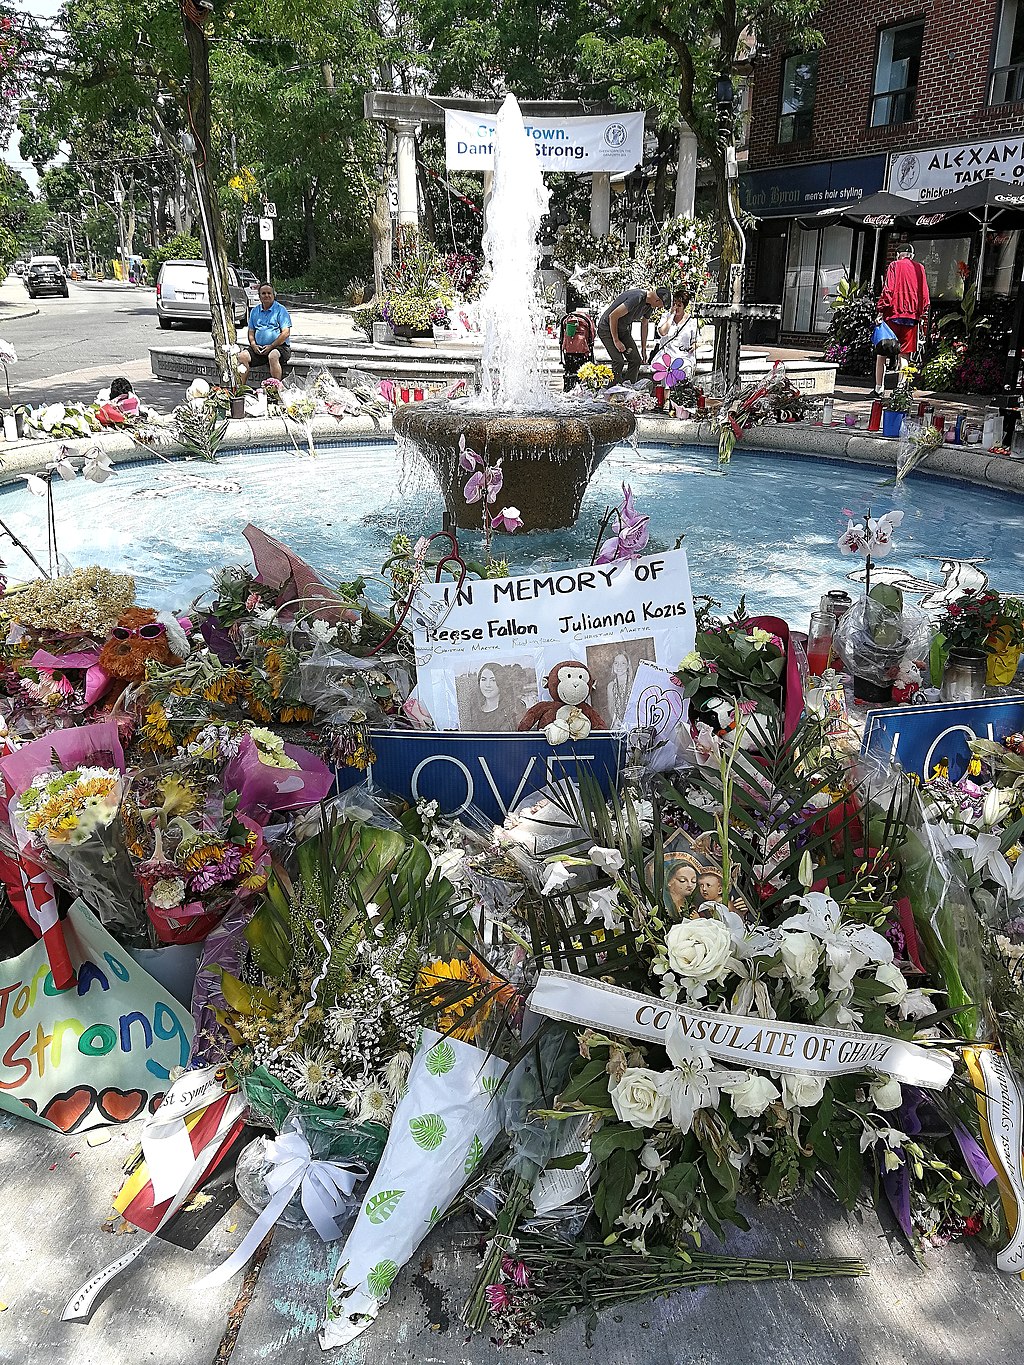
(1009, 878)
(848, 946)
(35, 485)
(603, 904)
(65, 469)
(916, 1005)
(97, 467)
(609, 860)
(696, 1082)
(558, 877)
(53, 416)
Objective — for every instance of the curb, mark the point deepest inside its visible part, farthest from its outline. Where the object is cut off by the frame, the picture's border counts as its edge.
(11, 312)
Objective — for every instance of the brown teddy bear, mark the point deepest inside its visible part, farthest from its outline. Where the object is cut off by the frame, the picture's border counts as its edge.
(141, 634)
(568, 715)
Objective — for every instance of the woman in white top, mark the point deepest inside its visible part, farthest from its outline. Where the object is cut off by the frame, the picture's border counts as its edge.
(678, 332)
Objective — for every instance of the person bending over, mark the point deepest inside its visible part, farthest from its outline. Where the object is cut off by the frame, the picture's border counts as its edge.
(615, 329)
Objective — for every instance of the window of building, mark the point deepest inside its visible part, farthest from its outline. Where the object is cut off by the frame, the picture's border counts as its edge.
(899, 58)
(1008, 62)
(796, 109)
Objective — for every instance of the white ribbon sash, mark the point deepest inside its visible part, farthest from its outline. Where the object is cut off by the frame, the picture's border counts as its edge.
(1004, 1113)
(166, 1144)
(80, 1306)
(323, 1185)
(744, 1040)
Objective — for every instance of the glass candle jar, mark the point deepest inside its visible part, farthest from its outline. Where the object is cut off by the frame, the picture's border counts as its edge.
(964, 676)
(819, 642)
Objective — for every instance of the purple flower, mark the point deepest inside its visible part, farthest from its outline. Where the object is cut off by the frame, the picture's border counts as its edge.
(495, 478)
(474, 489)
(508, 519)
(468, 459)
(633, 535)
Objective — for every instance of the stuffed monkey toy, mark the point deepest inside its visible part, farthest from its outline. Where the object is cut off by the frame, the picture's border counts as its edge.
(568, 715)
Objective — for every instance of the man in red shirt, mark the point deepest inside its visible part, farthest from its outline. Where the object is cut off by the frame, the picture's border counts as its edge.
(903, 304)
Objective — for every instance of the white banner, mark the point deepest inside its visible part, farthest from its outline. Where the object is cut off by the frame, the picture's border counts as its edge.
(745, 1040)
(928, 174)
(1004, 1114)
(594, 142)
(485, 663)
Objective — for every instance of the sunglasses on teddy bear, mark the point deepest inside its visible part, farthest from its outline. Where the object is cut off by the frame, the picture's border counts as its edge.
(152, 630)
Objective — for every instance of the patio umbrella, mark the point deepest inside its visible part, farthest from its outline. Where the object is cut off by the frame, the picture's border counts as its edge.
(984, 200)
(879, 211)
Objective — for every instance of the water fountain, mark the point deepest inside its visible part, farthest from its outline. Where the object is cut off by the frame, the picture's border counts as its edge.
(549, 445)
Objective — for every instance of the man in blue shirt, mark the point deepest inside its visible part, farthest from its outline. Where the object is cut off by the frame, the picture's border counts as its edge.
(269, 330)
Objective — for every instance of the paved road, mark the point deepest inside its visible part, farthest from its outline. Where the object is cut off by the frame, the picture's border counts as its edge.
(73, 347)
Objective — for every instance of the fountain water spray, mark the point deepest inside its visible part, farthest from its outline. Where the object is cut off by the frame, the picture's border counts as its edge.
(548, 445)
(512, 376)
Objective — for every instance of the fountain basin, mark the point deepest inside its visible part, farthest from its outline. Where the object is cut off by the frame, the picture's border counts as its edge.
(547, 459)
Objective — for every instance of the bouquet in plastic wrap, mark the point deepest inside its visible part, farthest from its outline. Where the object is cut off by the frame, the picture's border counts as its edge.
(318, 1000)
(65, 813)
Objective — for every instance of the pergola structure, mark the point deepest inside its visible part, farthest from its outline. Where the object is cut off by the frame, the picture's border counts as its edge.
(405, 115)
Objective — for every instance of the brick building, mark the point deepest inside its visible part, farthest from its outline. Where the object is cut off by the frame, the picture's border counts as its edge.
(914, 96)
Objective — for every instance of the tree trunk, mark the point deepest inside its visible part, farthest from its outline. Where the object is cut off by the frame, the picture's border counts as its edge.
(198, 114)
(380, 217)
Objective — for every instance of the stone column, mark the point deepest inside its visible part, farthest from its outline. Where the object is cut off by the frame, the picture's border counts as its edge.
(601, 203)
(488, 190)
(405, 150)
(686, 176)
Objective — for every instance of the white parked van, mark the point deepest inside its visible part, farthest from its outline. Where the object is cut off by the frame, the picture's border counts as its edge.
(183, 294)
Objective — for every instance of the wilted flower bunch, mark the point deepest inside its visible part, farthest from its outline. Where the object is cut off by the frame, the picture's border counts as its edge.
(85, 601)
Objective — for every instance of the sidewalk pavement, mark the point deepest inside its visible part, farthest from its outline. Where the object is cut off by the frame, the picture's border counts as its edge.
(14, 300)
(854, 396)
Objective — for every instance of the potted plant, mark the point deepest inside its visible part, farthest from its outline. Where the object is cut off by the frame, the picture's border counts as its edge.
(895, 412)
(979, 642)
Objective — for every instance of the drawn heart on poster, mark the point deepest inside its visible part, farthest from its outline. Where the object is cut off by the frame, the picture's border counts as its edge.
(660, 709)
(66, 1111)
(121, 1105)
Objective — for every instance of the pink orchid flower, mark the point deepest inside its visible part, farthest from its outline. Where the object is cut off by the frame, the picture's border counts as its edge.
(468, 459)
(508, 519)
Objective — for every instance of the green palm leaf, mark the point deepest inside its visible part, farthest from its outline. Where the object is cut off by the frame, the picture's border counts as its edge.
(381, 1277)
(382, 1205)
(428, 1131)
(475, 1155)
(440, 1059)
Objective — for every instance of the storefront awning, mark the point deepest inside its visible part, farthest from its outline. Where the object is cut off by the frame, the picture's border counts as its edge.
(799, 191)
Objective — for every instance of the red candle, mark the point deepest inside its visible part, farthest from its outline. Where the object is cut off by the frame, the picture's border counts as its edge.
(875, 420)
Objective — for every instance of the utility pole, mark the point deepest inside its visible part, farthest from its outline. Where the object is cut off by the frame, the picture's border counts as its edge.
(119, 202)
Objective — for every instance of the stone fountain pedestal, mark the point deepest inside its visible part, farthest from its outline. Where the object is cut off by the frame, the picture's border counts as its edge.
(547, 459)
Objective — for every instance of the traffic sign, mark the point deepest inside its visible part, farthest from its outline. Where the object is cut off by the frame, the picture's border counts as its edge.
(269, 209)
(267, 229)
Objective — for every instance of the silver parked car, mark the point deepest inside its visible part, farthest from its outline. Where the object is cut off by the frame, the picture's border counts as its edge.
(183, 294)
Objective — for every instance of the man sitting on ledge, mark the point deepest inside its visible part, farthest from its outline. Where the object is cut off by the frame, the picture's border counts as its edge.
(269, 330)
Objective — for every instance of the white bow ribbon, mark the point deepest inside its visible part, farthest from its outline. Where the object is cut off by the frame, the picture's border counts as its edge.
(323, 1185)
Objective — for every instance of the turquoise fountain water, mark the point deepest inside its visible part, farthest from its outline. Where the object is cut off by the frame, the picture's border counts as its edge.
(766, 529)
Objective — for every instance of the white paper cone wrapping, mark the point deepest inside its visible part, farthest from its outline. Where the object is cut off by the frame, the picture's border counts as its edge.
(441, 1130)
